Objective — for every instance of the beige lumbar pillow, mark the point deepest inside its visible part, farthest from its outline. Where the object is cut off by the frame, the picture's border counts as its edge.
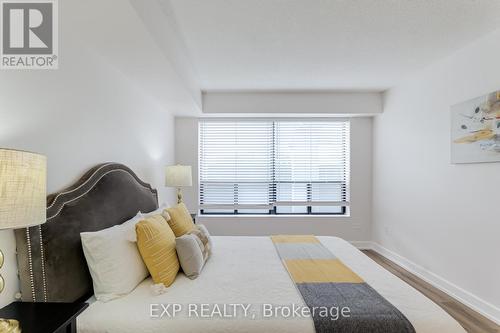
(205, 234)
(193, 250)
(156, 243)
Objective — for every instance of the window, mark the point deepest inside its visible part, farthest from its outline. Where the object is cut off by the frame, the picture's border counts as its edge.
(273, 166)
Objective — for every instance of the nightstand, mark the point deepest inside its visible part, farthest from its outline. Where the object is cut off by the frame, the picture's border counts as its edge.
(44, 317)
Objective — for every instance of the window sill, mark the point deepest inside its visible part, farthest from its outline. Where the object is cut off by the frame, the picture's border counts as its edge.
(274, 216)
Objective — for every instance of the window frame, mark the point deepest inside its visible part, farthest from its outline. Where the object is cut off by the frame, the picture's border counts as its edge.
(344, 209)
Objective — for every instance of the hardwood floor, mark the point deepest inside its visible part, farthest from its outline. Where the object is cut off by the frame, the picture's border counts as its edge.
(468, 318)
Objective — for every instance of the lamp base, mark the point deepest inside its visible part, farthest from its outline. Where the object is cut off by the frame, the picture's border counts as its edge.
(179, 195)
(9, 326)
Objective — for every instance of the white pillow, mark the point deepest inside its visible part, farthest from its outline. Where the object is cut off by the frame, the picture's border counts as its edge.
(129, 227)
(132, 236)
(114, 262)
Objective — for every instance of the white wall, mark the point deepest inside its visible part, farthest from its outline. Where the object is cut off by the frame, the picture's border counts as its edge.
(340, 103)
(442, 218)
(99, 117)
(355, 227)
(159, 19)
(86, 112)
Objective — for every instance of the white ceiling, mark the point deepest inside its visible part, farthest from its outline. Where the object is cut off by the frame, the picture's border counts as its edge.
(324, 44)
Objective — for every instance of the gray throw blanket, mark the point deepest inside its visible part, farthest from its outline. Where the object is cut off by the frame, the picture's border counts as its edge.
(338, 299)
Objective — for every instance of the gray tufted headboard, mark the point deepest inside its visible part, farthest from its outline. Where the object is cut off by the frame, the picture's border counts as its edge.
(52, 267)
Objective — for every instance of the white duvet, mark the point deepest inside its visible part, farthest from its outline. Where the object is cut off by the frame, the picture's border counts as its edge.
(248, 271)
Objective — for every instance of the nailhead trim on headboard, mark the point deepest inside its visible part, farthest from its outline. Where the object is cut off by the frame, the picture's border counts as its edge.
(31, 248)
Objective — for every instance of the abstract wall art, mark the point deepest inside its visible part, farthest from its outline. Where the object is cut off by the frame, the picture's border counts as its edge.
(475, 130)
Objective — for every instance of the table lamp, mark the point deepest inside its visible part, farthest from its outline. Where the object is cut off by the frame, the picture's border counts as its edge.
(23, 179)
(178, 176)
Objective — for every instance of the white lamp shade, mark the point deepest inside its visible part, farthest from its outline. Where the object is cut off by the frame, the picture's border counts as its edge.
(178, 176)
(23, 181)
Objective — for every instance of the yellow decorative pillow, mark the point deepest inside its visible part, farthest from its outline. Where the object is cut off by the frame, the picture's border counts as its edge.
(180, 220)
(156, 243)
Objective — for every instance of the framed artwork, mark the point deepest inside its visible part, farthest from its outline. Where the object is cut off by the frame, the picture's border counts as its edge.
(475, 130)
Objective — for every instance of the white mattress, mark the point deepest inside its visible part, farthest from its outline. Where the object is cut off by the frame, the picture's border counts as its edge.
(248, 270)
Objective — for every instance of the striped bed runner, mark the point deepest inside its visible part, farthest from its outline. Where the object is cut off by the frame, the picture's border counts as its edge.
(326, 282)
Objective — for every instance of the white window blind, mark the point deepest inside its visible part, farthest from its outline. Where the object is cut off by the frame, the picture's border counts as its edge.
(273, 167)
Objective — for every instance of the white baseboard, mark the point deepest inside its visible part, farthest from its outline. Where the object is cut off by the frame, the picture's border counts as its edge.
(477, 304)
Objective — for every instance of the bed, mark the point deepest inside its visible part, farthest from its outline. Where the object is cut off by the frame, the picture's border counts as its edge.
(242, 270)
